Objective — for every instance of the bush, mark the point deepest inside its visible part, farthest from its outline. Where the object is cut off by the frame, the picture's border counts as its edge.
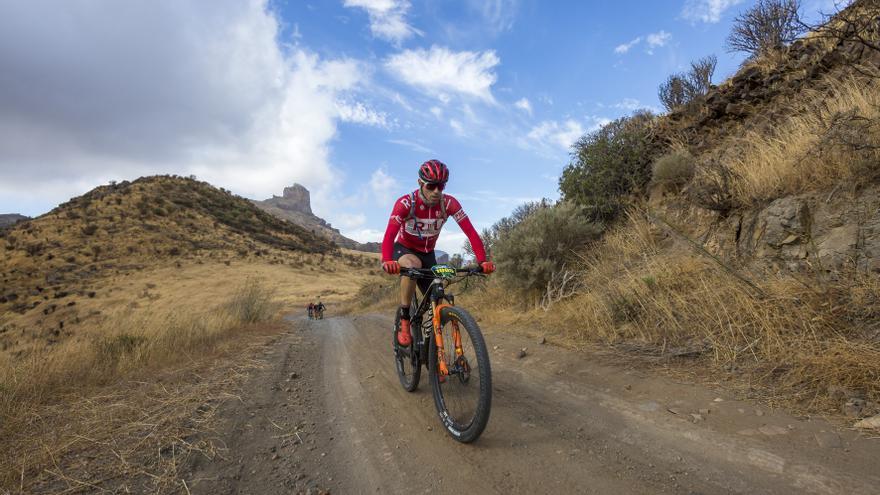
(674, 169)
(610, 164)
(253, 303)
(506, 224)
(531, 252)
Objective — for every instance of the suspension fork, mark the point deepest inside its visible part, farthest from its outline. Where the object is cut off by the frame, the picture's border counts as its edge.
(438, 338)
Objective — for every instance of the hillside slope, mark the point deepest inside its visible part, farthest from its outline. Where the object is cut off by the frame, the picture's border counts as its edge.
(62, 270)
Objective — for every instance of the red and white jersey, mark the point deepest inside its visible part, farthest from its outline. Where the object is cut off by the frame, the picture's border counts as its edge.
(420, 232)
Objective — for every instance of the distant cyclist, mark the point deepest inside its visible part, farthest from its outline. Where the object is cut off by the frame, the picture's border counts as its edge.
(412, 232)
(319, 310)
(311, 310)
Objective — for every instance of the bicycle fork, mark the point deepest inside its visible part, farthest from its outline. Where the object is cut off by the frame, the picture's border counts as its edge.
(438, 339)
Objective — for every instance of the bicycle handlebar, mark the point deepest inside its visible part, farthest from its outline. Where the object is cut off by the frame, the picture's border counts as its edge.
(428, 273)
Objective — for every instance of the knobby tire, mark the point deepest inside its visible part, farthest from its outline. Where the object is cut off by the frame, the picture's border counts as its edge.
(469, 431)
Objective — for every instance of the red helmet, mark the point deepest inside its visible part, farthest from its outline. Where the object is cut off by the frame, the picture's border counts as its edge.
(434, 172)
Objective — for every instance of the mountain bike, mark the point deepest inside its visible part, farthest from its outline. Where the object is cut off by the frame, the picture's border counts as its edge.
(448, 341)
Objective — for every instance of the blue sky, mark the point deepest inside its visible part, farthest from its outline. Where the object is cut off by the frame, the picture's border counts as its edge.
(345, 96)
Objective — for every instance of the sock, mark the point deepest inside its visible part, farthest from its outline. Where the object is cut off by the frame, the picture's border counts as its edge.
(404, 312)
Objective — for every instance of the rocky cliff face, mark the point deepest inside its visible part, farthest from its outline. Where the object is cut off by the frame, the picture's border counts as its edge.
(827, 232)
(294, 205)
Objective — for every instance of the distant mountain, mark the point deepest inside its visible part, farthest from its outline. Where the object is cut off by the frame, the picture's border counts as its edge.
(11, 219)
(442, 256)
(294, 205)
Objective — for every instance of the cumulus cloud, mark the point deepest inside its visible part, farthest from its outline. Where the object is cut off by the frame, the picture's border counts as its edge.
(524, 105)
(441, 72)
(92, 92)
(387, 18)
(708, 11)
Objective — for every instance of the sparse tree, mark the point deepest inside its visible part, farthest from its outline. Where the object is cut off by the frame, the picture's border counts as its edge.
(700, 76)
(766, 27)
(681, 88)
(673, 92)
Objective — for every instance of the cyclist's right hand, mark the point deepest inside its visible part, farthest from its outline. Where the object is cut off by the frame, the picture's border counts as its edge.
(391, 267)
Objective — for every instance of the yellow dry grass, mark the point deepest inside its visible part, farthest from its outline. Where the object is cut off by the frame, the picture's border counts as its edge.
(831, 134)
(800, 341)
(144, 324)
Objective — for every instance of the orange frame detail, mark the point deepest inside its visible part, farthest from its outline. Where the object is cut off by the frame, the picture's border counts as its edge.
(438, 339)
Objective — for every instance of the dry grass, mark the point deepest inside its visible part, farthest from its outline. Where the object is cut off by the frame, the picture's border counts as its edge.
(796, 340)
(123, 394)
(62, 385)
(831, 134)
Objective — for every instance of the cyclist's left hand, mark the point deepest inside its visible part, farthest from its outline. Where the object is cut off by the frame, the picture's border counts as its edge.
(488, 267)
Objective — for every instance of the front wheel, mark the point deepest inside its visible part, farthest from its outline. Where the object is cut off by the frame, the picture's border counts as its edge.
(463, 397)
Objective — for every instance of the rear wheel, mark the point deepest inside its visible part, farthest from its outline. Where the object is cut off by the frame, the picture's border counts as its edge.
(464, 397)
(406, 360)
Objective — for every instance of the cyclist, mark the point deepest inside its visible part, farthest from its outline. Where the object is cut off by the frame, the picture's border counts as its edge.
(311, 310)
(319, 309)
(412, 232)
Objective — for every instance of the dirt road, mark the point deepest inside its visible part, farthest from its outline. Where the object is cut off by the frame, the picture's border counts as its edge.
(327, 413)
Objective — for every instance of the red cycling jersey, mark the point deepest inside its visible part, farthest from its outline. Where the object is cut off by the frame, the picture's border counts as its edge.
(420, 232)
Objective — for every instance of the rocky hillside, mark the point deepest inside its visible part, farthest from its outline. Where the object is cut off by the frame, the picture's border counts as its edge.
(294, 205)
(123, 228)
(11, 219)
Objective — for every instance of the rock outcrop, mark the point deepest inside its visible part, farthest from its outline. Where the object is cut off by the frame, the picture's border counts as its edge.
(821, 232)
(294, 205)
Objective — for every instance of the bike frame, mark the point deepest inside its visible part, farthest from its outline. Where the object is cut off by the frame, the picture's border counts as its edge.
(434, 299)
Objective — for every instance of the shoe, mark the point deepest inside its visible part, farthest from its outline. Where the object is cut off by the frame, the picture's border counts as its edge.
(403, 335)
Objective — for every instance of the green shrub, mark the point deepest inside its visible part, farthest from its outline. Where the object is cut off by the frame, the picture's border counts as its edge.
(529, 253)
(609, 165)
(675, 169)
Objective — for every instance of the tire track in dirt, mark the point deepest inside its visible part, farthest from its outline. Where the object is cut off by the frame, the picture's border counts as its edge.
(559, 423)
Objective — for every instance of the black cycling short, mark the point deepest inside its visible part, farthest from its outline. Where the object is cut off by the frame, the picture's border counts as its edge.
(428, 260)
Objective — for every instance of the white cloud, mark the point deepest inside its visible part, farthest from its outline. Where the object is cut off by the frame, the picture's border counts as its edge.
(387, 18)
(625, 47)
(456, 126)
(498, 14)
(384, 187)
(364, 235)
(437, 112)
(417, 147)
(350, 221)
(657, 40)
(214, 96)
(359, 113)
(524, 105)
(441, 72)
(556, 134)
(709, 11)
(629, 104)
(553, 135)
(652, 40)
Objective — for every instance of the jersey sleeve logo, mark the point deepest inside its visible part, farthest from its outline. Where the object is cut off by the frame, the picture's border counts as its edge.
(459, 215)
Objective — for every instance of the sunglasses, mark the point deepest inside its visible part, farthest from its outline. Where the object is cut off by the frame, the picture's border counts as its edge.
(431, 186)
